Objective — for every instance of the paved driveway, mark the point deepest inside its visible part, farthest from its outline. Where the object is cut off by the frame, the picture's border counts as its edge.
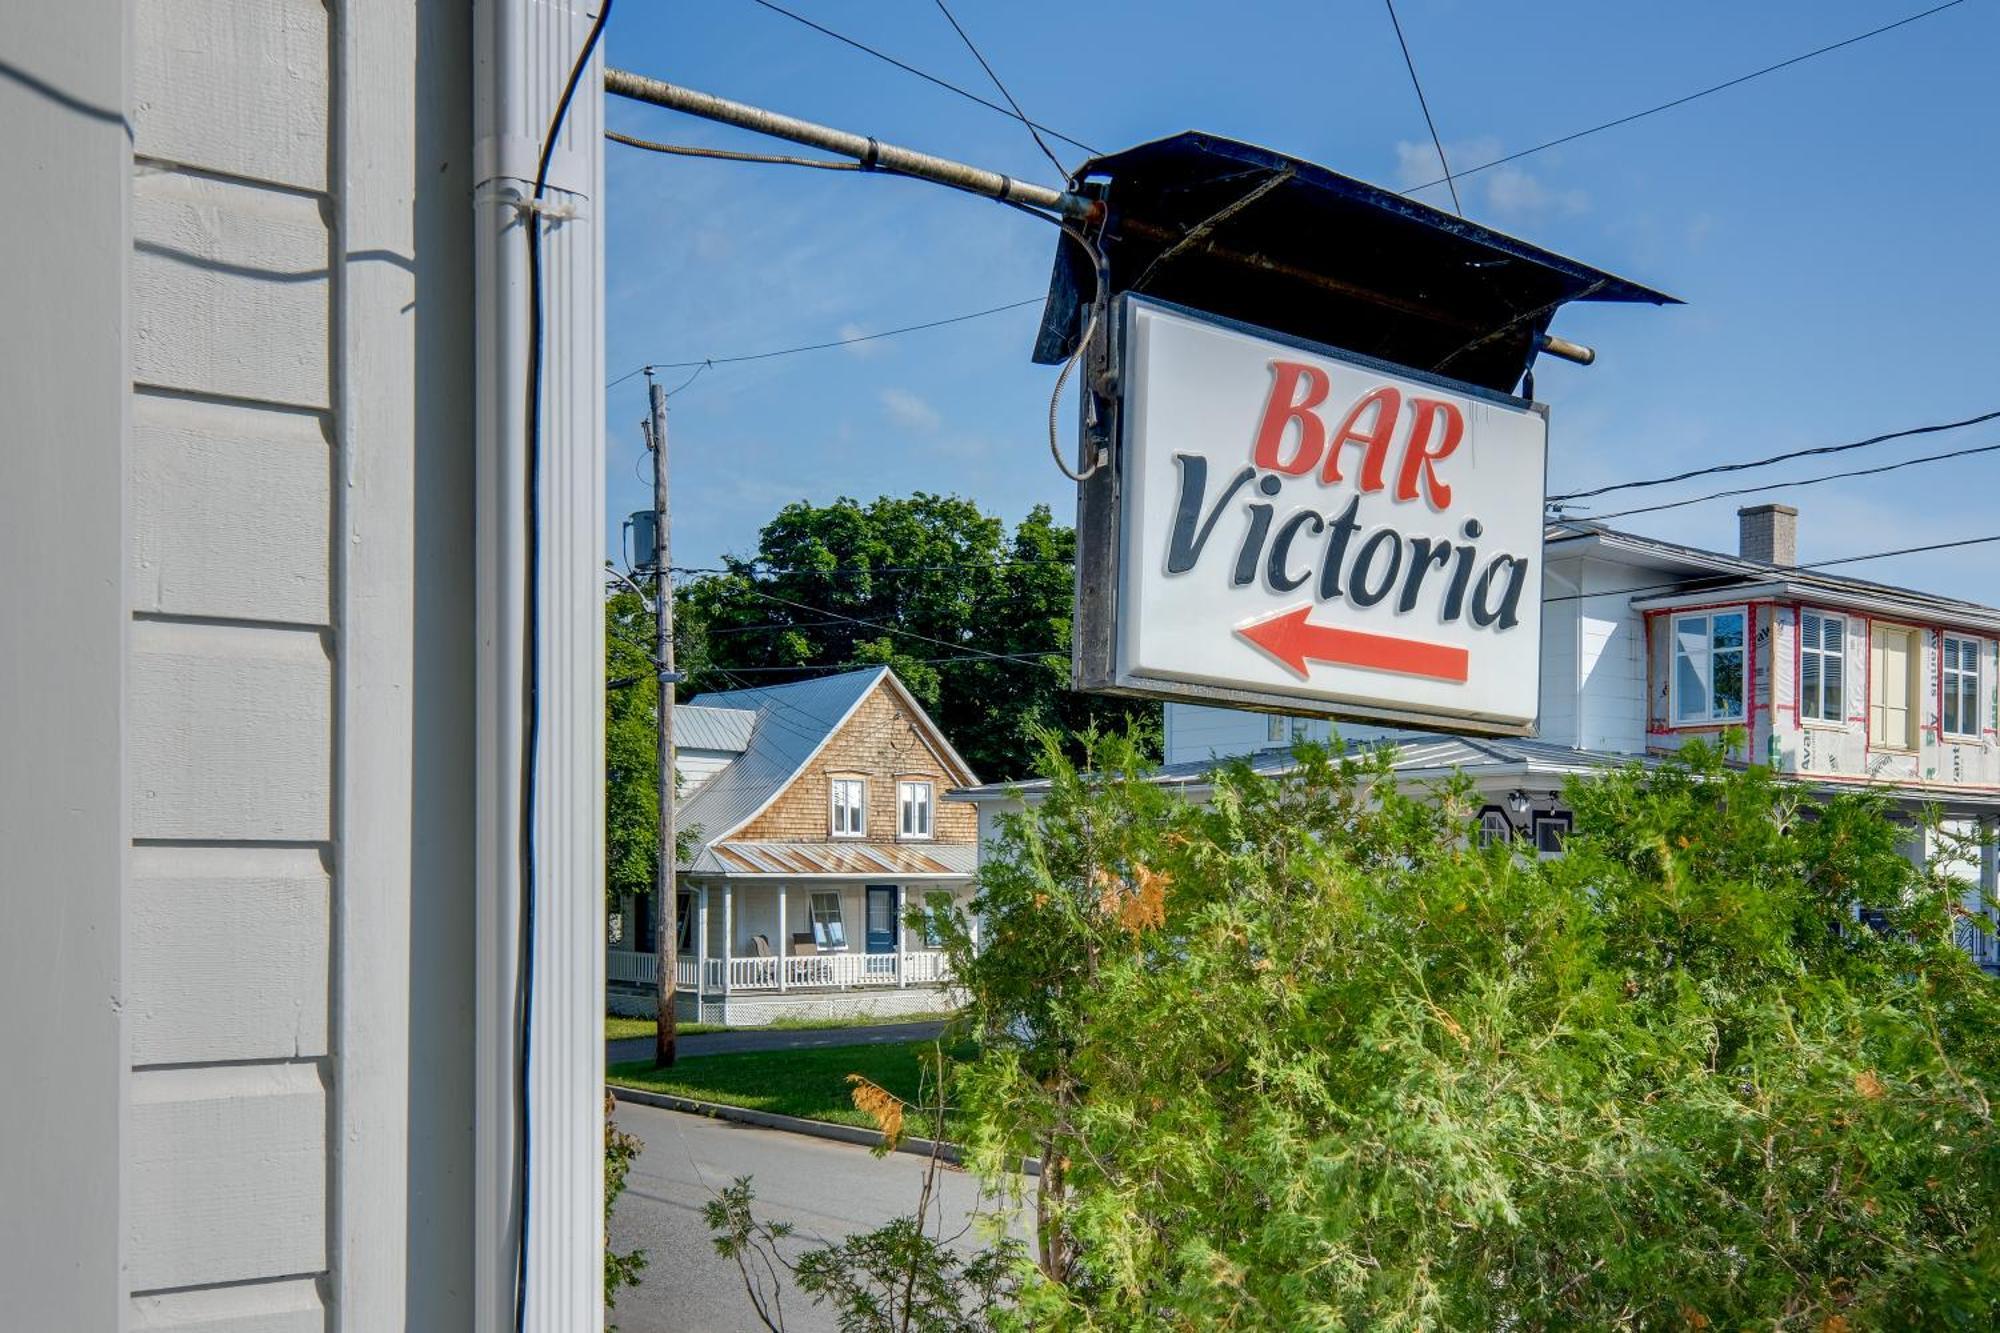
(826, 1190)
(774, 1039)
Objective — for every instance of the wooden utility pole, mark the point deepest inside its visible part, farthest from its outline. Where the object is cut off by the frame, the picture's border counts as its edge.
(667, 917)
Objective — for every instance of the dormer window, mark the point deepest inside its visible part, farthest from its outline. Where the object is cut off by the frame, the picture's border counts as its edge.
(1708, 667)
(850, 807)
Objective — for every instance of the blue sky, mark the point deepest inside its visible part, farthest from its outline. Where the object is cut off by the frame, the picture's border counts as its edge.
(1830, 227)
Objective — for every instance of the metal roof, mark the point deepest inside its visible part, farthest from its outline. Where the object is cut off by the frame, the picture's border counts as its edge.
(791, 723)
(1285, 244)
(700, 727)
(859, 859)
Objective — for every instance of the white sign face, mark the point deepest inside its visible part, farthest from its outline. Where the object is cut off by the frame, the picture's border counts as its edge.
(1302, 528)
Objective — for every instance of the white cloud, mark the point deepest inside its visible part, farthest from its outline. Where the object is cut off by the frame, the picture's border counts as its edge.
(1508, 191)
(909, 411)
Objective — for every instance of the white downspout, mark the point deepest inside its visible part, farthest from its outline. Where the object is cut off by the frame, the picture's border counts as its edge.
(524, 50)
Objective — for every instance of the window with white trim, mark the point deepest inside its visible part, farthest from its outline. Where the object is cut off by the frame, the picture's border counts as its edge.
(850, 807)
(1495, 827)
(913, 802)
(1709, 655)
(1959, 685)
(1551, 830)
(1822, 677)
(1274, 727)
(829, 931)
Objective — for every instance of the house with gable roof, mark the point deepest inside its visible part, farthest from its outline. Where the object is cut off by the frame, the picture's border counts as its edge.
(819, 819)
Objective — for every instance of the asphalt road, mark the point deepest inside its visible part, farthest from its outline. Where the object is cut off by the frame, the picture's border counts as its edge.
(773, 1039)
(826, 1190)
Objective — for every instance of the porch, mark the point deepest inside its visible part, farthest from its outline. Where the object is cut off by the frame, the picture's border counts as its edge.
(756, 952)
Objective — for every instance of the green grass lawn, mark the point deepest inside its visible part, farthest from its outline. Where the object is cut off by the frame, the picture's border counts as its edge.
(616, 1026)
(808, 1083)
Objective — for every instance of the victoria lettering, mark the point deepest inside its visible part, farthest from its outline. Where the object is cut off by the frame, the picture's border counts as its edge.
(1382, 441)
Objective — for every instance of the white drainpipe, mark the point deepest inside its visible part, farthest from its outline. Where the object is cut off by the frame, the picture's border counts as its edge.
(524, 50)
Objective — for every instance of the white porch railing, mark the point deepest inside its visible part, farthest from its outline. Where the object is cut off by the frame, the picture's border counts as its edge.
(825, 971)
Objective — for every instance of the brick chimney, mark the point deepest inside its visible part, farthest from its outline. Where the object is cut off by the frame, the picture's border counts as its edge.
(1769, 533)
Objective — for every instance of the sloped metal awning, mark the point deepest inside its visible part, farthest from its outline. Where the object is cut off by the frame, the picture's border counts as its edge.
(901, 860)
(1286, 244)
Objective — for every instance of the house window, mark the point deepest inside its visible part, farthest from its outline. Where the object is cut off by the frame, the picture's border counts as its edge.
(850, 806)
(1892, 688)
(1960, 686)
(1495, 828)
(1708, 667)
(1821, 678)
(684, 921)
(829, 932)
(1550, 833)
(1274, 727)
(913, 799)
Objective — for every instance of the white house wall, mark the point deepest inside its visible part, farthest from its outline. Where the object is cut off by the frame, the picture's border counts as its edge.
(1611, 663)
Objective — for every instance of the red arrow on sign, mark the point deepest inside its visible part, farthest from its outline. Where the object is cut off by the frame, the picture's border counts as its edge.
(1292, 641)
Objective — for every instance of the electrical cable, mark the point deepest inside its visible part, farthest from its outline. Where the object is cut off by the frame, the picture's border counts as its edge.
(531, 217)
(823, 346)
(869, 624)
(969, 95)
(1775, 458)
(1424, 103)
(726, 155)
(1780, 570)
(1463, 172)
(1804, 481)
(1019, 114)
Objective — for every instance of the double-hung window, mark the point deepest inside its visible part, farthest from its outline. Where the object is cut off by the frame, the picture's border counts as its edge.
(1709, 656)
(850, 807)
(1495, 828)
(1959, 685)
(1821, 675)
(913, 801)
(829, 931)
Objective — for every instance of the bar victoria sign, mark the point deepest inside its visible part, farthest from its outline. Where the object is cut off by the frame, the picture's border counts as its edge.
(1307, 529)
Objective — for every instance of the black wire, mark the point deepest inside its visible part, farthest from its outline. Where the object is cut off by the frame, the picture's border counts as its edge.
(1804, 481)
(820, 347)
(1019, 114)
(1463, 172)
(531, 634)
(926, 77)
(726, 155)
(1777, 570)
(1774, 458)
(1423, 102)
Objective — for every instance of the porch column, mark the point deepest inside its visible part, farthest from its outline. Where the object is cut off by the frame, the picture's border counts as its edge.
(902, 976)
(784, 937)
(728, 931)
(700, 950)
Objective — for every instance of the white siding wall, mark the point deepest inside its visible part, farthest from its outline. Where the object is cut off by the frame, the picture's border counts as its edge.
(1561, 675)
(696, 767)
(1611, 662)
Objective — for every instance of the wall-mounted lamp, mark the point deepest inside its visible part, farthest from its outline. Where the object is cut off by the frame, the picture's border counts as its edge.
(1518, 802)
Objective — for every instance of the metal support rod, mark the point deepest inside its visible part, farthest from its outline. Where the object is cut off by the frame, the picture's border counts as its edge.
(668, 917)
(869, 152)
(1565, 349)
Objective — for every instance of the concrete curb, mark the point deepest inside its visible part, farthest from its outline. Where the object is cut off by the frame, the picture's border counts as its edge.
(791, 1124)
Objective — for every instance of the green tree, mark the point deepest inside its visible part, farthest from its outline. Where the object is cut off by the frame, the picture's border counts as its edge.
(1305, 1058)
(631, 798)
(974, 620)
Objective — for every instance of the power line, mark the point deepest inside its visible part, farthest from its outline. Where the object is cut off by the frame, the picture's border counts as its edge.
(1805, 481)
(1691, 97)
(823, 346)
(1424, 103)
(1779, 570)
(927, 77)
(1004, 562)
(1019, 114)
(727, 155)
(1775, 458)
(873, 624)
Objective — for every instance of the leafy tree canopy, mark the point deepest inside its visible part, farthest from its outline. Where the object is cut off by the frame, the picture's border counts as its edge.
(631, 796)
(975, 620)
(1303, 1058)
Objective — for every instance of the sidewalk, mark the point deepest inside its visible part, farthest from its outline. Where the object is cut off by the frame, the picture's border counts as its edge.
(773, 1039)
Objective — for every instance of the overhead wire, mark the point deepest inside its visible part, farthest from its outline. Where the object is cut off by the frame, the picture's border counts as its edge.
(1727, 84)
(1746, 465)
(1778, 570)
(1424, 103)
(1019, 114)
(925, 75)
(1803, 481)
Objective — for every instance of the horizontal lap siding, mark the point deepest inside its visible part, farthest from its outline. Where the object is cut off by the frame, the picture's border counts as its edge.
(233, 666)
